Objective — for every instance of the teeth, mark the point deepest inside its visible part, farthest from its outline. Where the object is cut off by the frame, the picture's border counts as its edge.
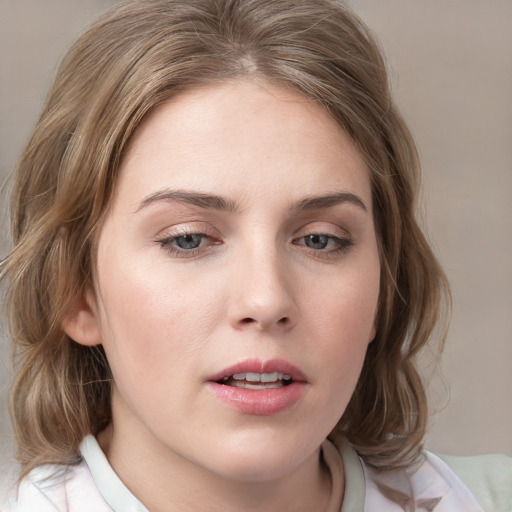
(267, 385)
(260, 377)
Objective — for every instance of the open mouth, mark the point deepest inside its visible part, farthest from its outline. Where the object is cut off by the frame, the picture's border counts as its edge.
(250, 380)
(259, 388)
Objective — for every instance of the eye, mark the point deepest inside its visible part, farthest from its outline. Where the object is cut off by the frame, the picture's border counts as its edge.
(187, 245)
(317, 241)
(324, 244)
(190, 241)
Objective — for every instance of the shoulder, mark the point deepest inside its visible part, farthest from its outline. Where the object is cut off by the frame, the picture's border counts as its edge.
(446, 484)
(489, 478)
(55, 488)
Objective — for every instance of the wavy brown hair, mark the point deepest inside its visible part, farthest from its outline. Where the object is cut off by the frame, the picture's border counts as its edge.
(136, 56)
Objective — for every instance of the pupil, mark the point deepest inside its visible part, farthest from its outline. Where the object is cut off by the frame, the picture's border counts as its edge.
(189, 241)
(317, 241)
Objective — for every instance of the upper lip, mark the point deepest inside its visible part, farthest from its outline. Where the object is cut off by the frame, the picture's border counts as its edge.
(260, 366)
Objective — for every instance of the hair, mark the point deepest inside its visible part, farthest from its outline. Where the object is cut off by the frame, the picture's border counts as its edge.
(136, 56)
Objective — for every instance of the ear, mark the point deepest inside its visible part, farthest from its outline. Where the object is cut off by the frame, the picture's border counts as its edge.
(372, 334)
(373, 330)
(81, 321)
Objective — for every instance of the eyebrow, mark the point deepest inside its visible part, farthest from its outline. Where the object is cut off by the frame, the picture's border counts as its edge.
(219, 203)
(200, 199)
(328, 201)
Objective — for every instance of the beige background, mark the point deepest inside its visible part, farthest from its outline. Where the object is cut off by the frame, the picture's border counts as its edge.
(451, 63)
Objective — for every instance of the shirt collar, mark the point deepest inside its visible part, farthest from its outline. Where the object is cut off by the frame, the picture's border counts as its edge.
(341, 461)
(109, 485)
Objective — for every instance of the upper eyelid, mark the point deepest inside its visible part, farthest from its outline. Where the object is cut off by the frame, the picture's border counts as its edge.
(333, 231)
(206, 229)
(186, 229)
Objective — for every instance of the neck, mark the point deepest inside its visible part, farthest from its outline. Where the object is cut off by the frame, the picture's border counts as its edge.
(166, 482)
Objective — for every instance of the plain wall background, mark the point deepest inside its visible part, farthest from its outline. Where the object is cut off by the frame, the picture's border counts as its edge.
(451, 68)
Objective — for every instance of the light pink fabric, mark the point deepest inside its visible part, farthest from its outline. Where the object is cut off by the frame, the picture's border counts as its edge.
(428, 486)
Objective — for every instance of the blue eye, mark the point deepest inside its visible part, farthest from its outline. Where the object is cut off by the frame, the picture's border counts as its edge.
(325, 245)
(187, 245)
(317, 242)
(189, 242)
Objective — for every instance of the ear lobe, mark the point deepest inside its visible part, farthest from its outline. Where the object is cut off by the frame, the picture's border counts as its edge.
(373, 330)
(81, 322)
(372, 334)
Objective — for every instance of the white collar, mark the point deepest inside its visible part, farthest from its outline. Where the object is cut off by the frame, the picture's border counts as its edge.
(120, 499)
(109, 485)
(431, 483)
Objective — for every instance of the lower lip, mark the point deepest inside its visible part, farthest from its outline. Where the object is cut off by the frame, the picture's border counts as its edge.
(259, 402)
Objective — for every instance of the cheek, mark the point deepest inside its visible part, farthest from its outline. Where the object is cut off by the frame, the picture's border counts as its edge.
(342, 318)
(150, 319)
(346, 307)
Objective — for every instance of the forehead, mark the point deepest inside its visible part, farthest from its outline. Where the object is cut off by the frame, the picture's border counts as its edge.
(238, 138)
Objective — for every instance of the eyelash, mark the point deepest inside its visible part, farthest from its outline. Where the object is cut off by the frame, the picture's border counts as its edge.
(341, 244)
(167, 243)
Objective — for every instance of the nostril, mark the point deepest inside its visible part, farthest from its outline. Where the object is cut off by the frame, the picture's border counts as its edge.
(283, 322)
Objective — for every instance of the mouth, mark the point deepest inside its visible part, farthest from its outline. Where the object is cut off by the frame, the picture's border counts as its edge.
(261, 388)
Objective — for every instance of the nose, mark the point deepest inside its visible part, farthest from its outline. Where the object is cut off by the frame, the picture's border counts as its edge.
(263, 292)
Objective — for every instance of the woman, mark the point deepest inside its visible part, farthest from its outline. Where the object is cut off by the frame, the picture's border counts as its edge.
(218, 287)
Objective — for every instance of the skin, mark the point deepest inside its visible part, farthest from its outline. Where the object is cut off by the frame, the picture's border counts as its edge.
(257, 286)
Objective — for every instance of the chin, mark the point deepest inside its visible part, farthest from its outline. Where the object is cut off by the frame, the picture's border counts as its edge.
(262, 458)
(256, 471)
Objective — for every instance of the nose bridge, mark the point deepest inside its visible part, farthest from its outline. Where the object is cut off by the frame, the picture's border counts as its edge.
(264, 296)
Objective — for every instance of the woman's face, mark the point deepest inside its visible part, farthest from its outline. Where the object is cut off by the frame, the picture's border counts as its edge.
(237, 281)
